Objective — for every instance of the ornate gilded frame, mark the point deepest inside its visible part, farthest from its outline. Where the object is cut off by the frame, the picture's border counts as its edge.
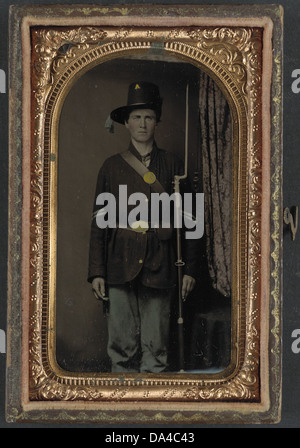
(240, 48)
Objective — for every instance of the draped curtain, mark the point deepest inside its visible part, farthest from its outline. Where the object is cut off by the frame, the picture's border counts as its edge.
(217, 155)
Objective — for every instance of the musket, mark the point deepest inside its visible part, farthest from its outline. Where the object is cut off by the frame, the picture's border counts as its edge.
(180, 263)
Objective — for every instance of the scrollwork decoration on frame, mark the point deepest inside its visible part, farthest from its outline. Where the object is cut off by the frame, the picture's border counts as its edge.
(232, 56)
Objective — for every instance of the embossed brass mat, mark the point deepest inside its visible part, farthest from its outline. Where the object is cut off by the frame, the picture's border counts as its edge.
(240, 49)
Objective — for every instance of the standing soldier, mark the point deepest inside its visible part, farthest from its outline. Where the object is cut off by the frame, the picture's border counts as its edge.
(134, 270)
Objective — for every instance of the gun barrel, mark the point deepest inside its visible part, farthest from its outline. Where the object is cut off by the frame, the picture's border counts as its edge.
(179, 263)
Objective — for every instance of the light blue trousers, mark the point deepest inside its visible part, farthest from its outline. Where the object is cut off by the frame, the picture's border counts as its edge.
(138, 328)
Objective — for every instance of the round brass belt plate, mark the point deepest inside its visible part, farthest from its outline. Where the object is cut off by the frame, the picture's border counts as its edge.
(149, 177)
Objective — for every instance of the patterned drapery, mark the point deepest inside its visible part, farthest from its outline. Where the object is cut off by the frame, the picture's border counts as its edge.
(217, 155)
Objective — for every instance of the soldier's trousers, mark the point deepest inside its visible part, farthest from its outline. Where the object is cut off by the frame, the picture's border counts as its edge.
(138, 328)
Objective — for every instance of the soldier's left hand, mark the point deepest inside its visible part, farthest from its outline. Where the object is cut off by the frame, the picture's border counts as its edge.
(188, 284)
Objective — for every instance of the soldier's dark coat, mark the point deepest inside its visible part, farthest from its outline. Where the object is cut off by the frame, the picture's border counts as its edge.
(120, 255)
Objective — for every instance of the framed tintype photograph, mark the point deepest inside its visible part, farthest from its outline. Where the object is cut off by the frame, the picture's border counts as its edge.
(145, 219)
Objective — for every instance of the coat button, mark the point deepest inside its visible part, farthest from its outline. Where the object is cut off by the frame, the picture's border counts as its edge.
(140, 260)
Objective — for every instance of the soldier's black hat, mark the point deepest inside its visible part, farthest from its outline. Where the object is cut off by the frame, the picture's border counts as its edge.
(141, 95)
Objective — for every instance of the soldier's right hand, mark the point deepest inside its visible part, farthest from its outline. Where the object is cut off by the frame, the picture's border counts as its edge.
(98, 285)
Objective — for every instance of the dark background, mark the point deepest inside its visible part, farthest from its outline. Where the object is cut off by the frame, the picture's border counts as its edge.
(291, 257)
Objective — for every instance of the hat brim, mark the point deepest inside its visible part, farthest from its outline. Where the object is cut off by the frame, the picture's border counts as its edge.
(119, 114)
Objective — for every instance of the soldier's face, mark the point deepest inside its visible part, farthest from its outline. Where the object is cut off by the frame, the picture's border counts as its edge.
(141, 125)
